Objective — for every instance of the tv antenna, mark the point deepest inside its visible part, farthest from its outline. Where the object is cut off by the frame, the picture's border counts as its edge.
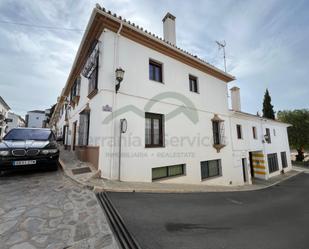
(221, 45)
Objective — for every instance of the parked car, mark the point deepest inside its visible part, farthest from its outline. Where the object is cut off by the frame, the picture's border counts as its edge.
(29, 148)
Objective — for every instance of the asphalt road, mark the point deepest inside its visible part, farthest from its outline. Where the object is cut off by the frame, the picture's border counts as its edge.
(274, 218)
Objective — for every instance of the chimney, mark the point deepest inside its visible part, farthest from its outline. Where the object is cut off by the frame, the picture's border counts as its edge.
(235, 96)
(169, 30)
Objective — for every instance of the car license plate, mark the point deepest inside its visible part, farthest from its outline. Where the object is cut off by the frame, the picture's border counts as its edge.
(28, 162)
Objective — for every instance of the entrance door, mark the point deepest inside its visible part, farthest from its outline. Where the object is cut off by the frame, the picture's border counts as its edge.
(244, 168)
(251, 165)
(74, 134)
(64, 132)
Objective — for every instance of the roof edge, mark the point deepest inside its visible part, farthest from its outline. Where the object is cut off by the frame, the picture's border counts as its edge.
(258, 117)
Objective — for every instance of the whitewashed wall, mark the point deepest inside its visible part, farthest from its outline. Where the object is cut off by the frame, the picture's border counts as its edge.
(242, 147)
(136, 92)
(16, 121)
(4, 112)
(35, 120)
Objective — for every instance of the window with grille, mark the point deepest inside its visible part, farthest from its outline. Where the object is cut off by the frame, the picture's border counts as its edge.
(93, 80)
(216, 131)
(272, 162)
(210, 169)
(284, 161)
(168, 171)
(153, 130)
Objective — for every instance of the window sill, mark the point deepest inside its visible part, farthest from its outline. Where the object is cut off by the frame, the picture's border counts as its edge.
(156, 81)
(92, 94)
(211, 177)
(154, 146)
(218, 147)
(194, 92)
(167, 178)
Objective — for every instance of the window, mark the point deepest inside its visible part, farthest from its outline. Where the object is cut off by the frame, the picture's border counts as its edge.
(284, 160)
(272, 162)
(268, 138)
(274, 131)
(155, 71)
(216, 131)
(154, 130)
(193, 84)
(239, 131)
(254, 132)
(210, 169)
(168, 171)
(75, 90)
(93, 79)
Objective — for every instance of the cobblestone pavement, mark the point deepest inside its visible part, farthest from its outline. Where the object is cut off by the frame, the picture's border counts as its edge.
(48, 210)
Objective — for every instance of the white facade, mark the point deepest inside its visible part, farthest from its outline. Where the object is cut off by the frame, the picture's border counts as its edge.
(35, 119)
(248, 143)
(16, 121)
(4, 109)
(187, 118)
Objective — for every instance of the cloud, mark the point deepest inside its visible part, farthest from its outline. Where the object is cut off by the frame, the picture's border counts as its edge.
(266, 45)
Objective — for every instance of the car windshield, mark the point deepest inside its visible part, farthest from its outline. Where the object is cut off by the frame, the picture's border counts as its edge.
(28, 134)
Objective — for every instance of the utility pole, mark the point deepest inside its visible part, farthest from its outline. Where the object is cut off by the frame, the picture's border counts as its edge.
(221, 45)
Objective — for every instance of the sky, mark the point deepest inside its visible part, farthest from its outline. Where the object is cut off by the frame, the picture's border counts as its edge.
(266, 44)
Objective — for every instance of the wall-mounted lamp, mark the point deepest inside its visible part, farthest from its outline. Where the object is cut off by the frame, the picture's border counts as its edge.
(119, 77)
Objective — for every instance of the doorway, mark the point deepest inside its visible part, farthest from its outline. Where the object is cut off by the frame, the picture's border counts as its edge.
(74, 135)
(244, 168)
(251, 165)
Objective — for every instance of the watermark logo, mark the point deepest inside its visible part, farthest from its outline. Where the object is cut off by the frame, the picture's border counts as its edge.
(186, 107)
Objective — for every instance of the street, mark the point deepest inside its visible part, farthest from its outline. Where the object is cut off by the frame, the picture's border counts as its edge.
(274, 218)
(47, 210)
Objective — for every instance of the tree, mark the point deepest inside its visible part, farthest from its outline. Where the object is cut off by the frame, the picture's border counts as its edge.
(268, 111)
(299, 131)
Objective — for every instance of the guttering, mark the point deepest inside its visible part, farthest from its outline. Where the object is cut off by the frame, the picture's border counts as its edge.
(163, 43)
(252, 116)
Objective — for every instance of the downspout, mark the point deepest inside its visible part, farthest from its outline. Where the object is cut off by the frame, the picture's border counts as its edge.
(116, 62)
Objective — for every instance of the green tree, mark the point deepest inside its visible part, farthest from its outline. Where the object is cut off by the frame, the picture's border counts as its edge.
(268, 111)
(299, 131)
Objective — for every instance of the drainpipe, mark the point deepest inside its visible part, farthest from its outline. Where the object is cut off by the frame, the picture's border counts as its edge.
(116, 62)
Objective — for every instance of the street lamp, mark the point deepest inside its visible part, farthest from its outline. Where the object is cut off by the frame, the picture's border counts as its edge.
(119, 77)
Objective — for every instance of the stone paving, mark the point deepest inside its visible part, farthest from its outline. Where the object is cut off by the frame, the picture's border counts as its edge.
(48, 210)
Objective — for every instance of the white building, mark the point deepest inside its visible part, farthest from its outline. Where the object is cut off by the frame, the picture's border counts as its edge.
(15, 121)
(4, 109)
(36, 119)
(178, 126)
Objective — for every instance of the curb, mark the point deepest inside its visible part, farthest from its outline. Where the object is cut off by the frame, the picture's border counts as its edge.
(72, 178)
(98, 189)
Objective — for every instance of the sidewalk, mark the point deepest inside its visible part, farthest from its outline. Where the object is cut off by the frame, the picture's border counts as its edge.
(92, 180)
